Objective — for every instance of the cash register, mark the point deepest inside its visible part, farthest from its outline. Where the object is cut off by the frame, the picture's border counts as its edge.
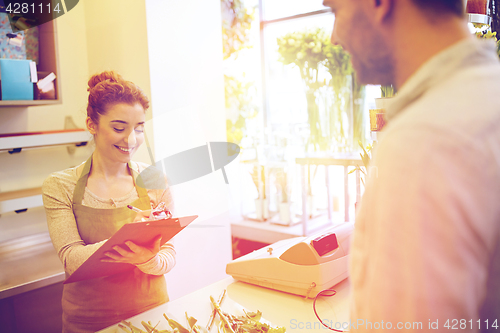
(301, 265)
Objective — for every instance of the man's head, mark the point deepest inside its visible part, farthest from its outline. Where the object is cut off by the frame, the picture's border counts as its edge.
(455, 7)
(375, 32)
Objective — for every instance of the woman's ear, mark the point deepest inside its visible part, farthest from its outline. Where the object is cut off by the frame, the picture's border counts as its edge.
(91, 126)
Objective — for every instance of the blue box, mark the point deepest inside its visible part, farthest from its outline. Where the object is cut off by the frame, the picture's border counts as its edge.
(15, 76)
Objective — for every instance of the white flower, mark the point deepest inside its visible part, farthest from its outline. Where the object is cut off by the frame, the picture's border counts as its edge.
(291, 41)
(300, 55)
(311, 45)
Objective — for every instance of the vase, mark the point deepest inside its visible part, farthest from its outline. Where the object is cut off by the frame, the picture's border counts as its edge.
(262, 209)
(285, 213)
(377, 115)
(340, 116)
(316, 139)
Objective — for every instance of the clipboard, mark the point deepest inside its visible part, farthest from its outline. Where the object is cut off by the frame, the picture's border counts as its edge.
(139, 233)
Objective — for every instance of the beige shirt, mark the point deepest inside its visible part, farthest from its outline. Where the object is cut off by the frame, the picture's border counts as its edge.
(429, 219)
(58, 191)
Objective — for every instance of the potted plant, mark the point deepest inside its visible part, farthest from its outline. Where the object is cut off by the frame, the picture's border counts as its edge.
(365, 169)
(377, 115)
(285, 211)
(261, 203)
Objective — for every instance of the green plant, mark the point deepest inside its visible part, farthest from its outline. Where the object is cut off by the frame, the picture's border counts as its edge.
(239, 106)
(358, 110)
(239, 95)
(309, 50)
(304, 50)
(387, 91)
(366, 159)
(338, 64)
(483, 33)
(259, 176)
(282, 183)
(236, 23)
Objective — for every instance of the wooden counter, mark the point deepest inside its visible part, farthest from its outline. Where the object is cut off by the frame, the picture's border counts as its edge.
(293, 312)
(27, 264)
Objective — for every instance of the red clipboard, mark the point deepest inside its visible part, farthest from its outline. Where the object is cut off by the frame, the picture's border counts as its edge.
(140, 233)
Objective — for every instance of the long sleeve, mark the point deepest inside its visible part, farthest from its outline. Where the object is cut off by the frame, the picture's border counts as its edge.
(164, 261)
(58, 191)
(63, 230)
(424, 232)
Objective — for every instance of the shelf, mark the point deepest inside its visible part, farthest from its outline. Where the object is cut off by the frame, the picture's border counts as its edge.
(30, 103)
(14, 142)
(48, 62)
(16, 201)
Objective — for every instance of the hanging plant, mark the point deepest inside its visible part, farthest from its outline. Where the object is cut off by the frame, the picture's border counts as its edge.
(240, 107)
(236, 23)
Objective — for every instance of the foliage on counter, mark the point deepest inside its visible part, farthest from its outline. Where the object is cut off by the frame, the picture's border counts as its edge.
(249, 323)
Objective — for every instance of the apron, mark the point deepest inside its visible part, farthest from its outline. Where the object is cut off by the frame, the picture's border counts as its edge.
(92, 305)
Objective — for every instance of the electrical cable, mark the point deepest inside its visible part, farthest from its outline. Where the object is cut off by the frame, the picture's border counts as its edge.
(316, 313)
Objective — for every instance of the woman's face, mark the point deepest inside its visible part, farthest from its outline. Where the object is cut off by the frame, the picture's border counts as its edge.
(119, 132)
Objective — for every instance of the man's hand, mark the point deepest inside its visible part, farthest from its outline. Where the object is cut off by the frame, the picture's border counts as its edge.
(131, 253)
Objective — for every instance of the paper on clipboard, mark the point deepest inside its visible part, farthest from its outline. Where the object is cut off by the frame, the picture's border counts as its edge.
(140, 233)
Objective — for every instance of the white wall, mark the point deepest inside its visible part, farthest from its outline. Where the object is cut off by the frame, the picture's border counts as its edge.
(117, 40)
(185, 59)
(29, 168)
(176, 57)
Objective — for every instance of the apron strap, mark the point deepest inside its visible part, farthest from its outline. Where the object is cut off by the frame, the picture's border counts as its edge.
(82, 183)
(141, 191)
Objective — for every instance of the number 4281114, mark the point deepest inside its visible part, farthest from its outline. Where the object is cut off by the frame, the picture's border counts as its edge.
(25, 8)
(462, 324)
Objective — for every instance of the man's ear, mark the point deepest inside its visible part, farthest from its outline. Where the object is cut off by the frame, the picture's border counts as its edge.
(91, 126)
(382, 9)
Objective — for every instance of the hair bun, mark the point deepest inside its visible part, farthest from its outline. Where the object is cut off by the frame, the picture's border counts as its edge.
(104, 76)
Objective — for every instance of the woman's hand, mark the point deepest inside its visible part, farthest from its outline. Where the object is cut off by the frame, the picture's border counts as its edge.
(142, 216)
(131, 253)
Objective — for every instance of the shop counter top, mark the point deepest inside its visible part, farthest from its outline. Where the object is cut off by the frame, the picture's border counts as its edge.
(293, 312)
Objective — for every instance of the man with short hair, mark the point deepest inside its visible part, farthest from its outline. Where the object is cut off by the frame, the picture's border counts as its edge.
(425, 251)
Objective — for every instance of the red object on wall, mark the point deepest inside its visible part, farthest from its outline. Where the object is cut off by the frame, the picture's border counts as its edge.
(477, 6)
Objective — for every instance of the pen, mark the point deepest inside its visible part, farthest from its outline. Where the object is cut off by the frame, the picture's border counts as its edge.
(137, 210)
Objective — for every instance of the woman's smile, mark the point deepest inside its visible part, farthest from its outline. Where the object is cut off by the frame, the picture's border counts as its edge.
(125, 150)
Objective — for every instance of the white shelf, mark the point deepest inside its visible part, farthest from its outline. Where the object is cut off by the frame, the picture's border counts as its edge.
(20, 200)
(12, 142)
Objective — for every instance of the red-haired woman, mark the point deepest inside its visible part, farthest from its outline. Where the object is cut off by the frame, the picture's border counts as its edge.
(87, 204)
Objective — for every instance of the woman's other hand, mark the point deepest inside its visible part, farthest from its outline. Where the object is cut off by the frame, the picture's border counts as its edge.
(131, 253)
